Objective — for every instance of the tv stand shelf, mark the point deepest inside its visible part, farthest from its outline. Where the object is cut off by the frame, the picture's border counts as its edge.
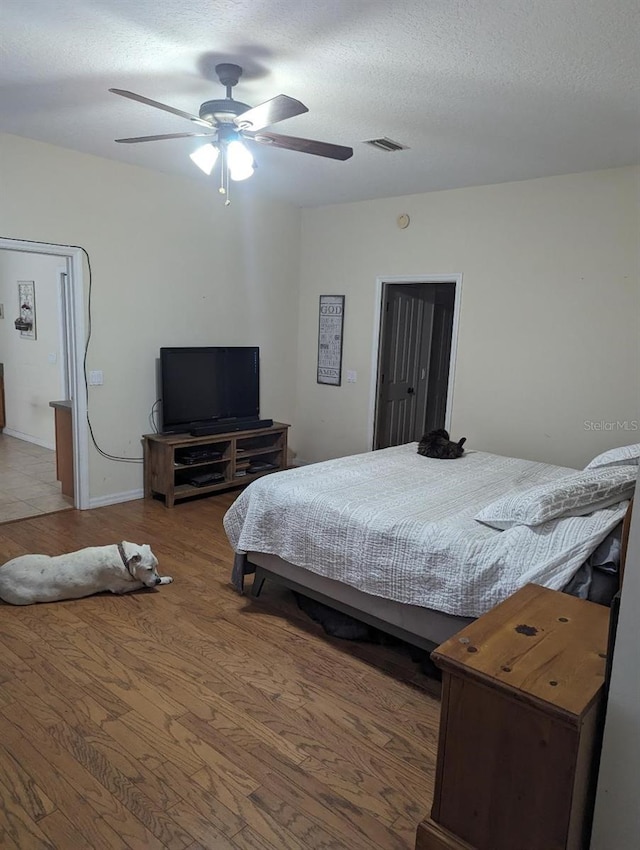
(166, 476)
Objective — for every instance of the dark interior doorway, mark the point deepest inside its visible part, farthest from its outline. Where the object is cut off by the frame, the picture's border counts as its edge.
(414, 356)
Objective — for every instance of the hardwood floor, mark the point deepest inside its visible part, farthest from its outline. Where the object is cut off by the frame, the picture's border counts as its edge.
(189, 717)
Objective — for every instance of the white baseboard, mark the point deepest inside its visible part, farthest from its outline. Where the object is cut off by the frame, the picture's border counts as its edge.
(28, 439)
(116, 498)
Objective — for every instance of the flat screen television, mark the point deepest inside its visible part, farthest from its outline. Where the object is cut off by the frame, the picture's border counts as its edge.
(201, 385)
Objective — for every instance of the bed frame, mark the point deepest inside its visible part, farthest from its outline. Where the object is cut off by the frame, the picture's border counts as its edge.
(422, 627)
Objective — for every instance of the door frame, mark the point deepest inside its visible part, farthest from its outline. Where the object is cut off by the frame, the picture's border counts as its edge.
(455, 278)
(75, 344)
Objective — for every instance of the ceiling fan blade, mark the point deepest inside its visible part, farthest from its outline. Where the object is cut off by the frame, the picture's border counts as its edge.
(292, 143)
(138, 97)
(159, 138)
(270, 112)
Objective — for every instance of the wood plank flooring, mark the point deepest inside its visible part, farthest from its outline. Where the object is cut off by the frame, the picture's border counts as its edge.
(190, 717)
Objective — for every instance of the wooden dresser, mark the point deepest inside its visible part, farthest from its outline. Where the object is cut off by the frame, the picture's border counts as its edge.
(521, 699)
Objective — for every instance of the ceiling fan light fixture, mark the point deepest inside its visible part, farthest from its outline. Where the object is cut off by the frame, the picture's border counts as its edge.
(239, 160)
(205, 157)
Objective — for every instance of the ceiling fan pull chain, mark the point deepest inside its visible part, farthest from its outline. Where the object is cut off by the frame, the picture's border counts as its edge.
(223, 170)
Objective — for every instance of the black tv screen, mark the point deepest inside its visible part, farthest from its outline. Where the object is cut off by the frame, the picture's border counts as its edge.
(200, 385)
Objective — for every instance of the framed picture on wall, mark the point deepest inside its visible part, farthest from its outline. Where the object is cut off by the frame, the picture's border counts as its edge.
(330, 328)
(27, 309)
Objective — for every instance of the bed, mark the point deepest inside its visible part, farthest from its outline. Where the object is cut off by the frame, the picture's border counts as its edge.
(419, 547)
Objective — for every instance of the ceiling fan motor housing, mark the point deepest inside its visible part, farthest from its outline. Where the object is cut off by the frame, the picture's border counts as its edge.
(222, 111)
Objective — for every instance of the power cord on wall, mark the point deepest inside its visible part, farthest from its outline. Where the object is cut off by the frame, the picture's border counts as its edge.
(152, 416)
(100, 451)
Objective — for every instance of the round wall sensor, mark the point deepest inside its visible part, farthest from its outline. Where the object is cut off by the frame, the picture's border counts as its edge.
(403, 221)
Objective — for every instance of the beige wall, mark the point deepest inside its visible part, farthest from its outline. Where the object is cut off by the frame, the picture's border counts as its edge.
(171, 266)
(549, 332)
(32, 367)
(549, 327)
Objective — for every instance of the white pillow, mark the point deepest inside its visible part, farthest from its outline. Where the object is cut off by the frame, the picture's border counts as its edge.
(617, 457)
(573, 495)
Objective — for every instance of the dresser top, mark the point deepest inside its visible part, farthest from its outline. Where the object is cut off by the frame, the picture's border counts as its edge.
(540, 645)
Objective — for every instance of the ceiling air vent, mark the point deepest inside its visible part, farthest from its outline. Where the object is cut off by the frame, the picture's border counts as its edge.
(387, 145)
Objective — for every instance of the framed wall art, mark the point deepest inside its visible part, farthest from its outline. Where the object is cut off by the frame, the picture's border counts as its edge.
(330, 328)
(27, 309)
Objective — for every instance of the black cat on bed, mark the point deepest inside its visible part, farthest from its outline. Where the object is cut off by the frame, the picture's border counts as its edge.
(437, 444)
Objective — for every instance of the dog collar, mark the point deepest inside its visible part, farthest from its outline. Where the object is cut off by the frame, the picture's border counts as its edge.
(124, 560)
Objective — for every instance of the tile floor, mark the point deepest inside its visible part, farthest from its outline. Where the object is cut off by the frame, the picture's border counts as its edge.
(28, 484)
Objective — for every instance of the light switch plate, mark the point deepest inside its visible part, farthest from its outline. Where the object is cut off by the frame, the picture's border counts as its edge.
(352, 377)
(96, 378)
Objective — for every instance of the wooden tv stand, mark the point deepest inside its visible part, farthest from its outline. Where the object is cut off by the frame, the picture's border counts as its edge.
(165, 474)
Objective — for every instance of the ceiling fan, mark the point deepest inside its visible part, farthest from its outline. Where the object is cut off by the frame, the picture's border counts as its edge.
(231, 122)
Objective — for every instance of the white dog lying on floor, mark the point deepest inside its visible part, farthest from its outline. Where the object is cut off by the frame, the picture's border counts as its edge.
(119, 568)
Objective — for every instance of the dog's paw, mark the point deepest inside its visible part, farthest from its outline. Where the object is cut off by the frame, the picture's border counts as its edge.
(166, 580)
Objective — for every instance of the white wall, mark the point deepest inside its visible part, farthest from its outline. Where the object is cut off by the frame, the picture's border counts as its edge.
(31, 381)
(549, 327)
(171, 266)
(617, 815)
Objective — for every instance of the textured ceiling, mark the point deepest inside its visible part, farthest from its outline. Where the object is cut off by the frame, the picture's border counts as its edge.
(481, 91)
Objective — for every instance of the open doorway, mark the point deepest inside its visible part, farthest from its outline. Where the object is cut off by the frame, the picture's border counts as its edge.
(415, 357)
(30, 444)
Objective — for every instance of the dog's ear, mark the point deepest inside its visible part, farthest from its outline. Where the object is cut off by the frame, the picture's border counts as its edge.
(462, 442)
(137, 555)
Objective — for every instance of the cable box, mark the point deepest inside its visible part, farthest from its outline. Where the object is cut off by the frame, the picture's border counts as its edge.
(205, 478)
(197, 455)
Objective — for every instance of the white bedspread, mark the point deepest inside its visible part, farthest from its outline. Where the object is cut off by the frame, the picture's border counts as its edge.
(398, 525)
